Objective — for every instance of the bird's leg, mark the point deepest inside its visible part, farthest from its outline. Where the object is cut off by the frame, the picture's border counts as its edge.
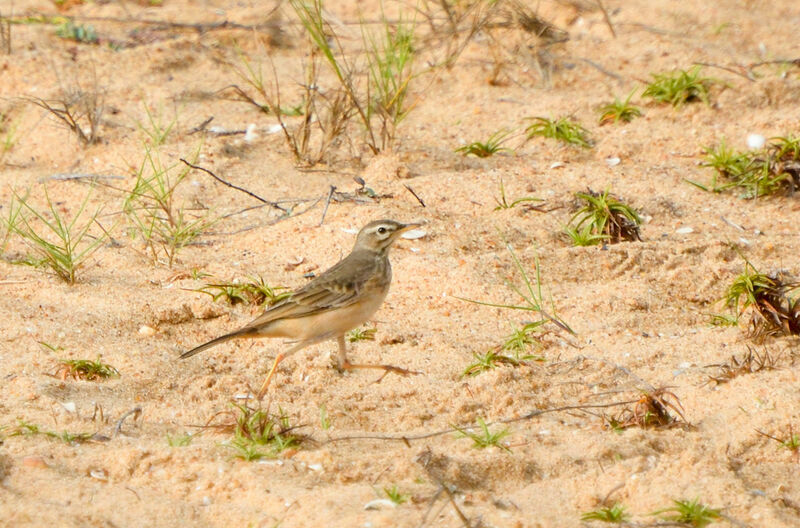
(280, 357)
(343, 364)
(264, 386)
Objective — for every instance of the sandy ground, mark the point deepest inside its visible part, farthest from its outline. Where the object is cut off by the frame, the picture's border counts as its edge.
(640, 310)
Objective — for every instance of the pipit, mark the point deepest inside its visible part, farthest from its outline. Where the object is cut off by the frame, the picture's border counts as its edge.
(340, 299)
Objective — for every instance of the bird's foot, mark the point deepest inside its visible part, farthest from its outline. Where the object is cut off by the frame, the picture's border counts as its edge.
(387, 369)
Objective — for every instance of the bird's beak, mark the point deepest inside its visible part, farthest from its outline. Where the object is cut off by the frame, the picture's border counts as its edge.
(407, 227)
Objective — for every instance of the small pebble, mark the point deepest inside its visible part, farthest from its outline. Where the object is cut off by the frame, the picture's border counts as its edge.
(69, 407)
(612, 162)
(147, 330)
(34, 462)
(684, 230)
(558, 165)
(377, 504)
(756, 141)
(99, 474)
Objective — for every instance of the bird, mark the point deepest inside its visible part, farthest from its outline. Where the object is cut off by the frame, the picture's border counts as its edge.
(338, 300)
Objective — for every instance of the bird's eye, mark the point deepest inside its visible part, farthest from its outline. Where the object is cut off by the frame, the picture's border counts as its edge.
(381, 230)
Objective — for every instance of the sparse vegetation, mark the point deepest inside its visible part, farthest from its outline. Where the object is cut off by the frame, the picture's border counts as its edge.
(613, 514)
(156, 129)
(772, 170)
(394, 494)
(690, 512)
(85, 369)
(152, 207)
(773, 301)
(679, 87)
(488, 361)
(84, 34)
(80, 109)
(749, 363)
(488, 148)
(179, 440)
(257, 433)
(624, 111)
(24, 428)
(60, 244)
(603, 219)
(253, 290)
(532, 295)
(651, 410)
(561, 129)
(361, 334)
(483, 437)
(503, 203)
(791, 441)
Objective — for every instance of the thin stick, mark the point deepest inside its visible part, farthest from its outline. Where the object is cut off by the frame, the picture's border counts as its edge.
(81, 176)
(414, 194)
(136, 411)
(257, 197)
(607, 17)
(327, 203)
(404, 437)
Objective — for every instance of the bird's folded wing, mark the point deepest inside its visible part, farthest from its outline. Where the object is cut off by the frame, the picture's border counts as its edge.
(314, 298)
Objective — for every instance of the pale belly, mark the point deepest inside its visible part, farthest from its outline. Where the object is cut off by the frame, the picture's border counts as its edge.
(329, 324)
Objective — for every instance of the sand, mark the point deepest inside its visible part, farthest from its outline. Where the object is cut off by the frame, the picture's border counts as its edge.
(640, 310)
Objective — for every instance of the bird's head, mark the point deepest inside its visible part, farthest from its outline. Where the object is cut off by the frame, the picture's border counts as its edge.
(379, 235)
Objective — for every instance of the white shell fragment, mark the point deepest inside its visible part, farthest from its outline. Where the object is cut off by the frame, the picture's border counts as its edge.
(755, 141)
(377, 504)
(684, 230)
(147, 330)
(558, 165)
(414, 234)
(250, 133)
(613, 162)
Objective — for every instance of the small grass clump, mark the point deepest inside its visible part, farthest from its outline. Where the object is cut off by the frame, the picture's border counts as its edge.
(791, 441)
(257, 433)
(679, 87)
(615, 514)
(58, 243)
(603, 219)
(561, 129)
(151, 206)
(690, 512)
(85, 369)
(652, 410)
(772, 170)
(519, 342)
(532, 296)
(361, 334)
(84, 34)
(488, 148)
(394, 494)
(488, 361)
(619, 111)
(253, 290)
(773, 301)
(749, 363)
(24, 428)
(484, 438)
(179, 440)
(503, 203)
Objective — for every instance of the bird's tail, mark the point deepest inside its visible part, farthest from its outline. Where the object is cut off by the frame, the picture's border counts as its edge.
(214, 342)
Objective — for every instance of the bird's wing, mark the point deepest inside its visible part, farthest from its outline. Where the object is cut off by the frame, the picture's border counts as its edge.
(329, 291)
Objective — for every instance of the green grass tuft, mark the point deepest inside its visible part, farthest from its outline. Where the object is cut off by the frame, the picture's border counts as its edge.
(562, 129)
(679, 87)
